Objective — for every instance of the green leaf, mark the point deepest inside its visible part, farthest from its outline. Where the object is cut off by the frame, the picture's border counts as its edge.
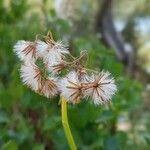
(38, 147)
(3, 117)
(111, 143)
(10, 145)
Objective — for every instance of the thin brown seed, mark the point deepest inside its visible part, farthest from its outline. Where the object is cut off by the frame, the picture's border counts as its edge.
(101, 89)
(105, 83)
(51, 83)
(73, 84)
(97, 92)
(74, 93)
(98, 78)
(101, 98)
(30, 49)
(77, 96)
(37, 75)
(58, 67)
(70, 87)
(93, 92)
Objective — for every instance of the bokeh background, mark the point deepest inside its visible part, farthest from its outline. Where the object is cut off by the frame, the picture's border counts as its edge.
(116, 34)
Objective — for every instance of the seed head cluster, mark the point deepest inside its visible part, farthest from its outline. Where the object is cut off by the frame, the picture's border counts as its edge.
(61, 73)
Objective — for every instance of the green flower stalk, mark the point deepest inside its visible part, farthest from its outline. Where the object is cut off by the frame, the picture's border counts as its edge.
(66, 124)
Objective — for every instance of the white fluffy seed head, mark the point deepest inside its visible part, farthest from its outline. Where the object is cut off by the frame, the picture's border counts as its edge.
(25, 50)
(51, 54)
(60, 48)
(81, 72)
(55, 56)
(100, 87)
(41, 48)
(70, 87)
(31, 75)
(56, 67)
(49, 88)
(76, 84)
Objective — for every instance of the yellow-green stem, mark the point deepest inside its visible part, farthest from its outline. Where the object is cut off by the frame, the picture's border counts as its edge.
(66, 125)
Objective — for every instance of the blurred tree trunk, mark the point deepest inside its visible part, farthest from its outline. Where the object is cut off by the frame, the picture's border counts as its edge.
(112, 38)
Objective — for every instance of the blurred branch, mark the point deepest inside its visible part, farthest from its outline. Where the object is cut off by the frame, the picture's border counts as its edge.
(112, 38)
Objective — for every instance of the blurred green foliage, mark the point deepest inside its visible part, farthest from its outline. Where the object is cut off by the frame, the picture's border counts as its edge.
(30, 121)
